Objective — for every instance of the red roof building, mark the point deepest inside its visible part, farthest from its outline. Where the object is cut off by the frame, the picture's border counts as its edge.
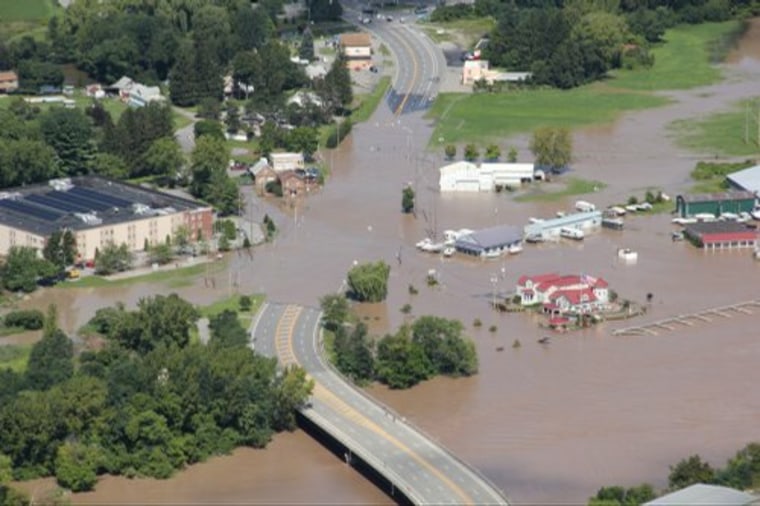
(721, 235)
(561, 294)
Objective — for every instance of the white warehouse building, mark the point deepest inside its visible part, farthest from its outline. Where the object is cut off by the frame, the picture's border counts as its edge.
(469, 177)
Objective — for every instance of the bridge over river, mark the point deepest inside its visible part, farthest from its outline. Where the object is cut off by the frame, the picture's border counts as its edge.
(415, 466)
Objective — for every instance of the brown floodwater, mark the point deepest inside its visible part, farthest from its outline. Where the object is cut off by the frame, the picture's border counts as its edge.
(545, 423)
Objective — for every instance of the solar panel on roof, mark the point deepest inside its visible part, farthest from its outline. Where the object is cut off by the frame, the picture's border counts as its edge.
(74, 204)
(54, 203)
(79, 200)
(101, 197)
(30, 210)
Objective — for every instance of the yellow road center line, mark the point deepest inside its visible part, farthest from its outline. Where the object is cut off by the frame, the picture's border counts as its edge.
(400, 108)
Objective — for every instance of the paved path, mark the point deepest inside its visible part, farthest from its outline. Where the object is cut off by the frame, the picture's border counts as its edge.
(423, 470)
(186, 135)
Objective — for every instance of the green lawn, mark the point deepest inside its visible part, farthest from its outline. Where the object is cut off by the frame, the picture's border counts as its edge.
(683, 61)
(486, 116)
(174, 278)
(722, 133)
(570, 187)
(179, 120)
(233, 303)
(463, 31)
(14, 356)
(9, 331)
(369, 102)
(26, 10)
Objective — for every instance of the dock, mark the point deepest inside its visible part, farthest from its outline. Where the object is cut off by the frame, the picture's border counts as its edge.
(681, 321)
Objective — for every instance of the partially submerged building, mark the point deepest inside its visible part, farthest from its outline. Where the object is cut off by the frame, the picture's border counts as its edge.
(736, 202)
(551, 228)
(465, 176)
(489, 242)
(721, 235)
(745, 180)
(562, 294)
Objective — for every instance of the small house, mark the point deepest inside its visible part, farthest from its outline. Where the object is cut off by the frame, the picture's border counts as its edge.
(489, 242)
(292, 184)
(282, 162)
(357, 49)
(8, 81)
(715, 203)
(264, 175)
(141, 95)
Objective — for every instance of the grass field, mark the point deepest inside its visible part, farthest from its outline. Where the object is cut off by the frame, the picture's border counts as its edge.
(26, 10)
(682, 62)
(567, 188)
(174, 278)
(722, 133)
(483, 116)
(465, 32)
(14, 356)
(369, 102)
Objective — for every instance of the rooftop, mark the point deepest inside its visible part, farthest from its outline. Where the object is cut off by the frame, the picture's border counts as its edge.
(492, 237)
(717, 227)
(84, 202)
(717, 197)
(748, 179)
(8, 75)
(355, 40)
(700, 494)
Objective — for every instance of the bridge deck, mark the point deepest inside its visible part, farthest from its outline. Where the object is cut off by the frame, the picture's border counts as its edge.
(423, 470)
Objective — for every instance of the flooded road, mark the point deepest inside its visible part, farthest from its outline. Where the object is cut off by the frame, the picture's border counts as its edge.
(544, 423)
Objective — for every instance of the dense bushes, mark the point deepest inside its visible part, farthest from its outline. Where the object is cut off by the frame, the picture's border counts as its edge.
(709, 170)
(29, 319)
(338, 132)
(369, 282)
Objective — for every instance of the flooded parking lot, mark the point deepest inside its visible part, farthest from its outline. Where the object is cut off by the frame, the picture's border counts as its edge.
(545, 423)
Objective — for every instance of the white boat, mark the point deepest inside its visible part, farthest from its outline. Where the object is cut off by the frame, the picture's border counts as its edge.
(632, 208)
(515, 249)
(705, 217)
(617, 211)
(534, 238)
(448, 251)
(684, 221)
(535, 220)
(494, 253)
(755, 213)
(560, 214)
(584, 206)
(571, 233)
(433, 247)
(627, 255)
(728, 216)
(424, 243)
(744, 217)
(644, 206)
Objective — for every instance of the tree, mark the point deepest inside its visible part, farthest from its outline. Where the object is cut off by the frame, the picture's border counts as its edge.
(325, 10)
(69, 133)
(401, 363)
(163, 158)
(450, 151)
(22, 268)
(113, 258)
(226, 330)
(60, 248)
(208, 127)
(232, 118)
(471, 152)
(50, 361)
(161, 254)
(76, 465)
(209, 108)
(210, 156)
(303, 140)
(690, 471)
(407, 199)
(444, 346)
(291, 392)
(512, 156)
(493, 152)
(552, 147)
(39, 160)
(369, 282)
(306, 49)
(354, 353)
(619, 496)
(335, 310)
(337, 92)
(109, 165)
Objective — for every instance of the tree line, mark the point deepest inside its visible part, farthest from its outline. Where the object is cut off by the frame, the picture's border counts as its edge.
(148, 403)
(569, 43)
(430, 346)
(742, 472)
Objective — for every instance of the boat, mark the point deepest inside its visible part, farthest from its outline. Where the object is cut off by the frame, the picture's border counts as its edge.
(571, 233)
(433, 247)
(493, 253)
(448, 251)
(613, 223)
(728, 217)
(515, 249)
(705, 217)
(755, 213)
(584, 206)
(627, 255)
(632, 208)
(616, 211)
(677, 236)
(683, 221)
(744, 217)
(535, 220)
(423, 243)
(534, 238)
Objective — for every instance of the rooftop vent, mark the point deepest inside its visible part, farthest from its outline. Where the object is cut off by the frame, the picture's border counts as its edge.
(142, 209)
(62, 184)
(89, 218)
(10, 195)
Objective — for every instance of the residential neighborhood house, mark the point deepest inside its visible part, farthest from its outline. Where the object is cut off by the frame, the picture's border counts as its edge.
(8, 81)
(134, 93)
(564, 294)
(357, 48)
(475, 70)
(281, 162)
(292, 184)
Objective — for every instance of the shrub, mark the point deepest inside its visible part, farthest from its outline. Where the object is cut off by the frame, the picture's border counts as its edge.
(477, 323)
(406, 308)
(29, 319)
(245, 303)
(338, 132)
(492, 328)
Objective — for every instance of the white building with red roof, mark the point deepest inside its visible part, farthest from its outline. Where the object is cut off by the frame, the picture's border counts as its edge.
(562, 294)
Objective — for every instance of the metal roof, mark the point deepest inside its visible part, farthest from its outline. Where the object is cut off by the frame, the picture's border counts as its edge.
(700, 494)
(747, 179)
(564, 221)
(717, 197)
(717, 227)
(492, 237)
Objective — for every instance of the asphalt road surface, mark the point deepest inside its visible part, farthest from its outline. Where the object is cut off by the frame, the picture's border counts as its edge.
(422, 469)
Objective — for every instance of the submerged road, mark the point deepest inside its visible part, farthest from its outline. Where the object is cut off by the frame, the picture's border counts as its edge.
(420, 64)
(424, 471)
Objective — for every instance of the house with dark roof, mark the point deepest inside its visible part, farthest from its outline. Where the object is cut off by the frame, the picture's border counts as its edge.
(490, 242)
(715, 203)
(562, 294)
